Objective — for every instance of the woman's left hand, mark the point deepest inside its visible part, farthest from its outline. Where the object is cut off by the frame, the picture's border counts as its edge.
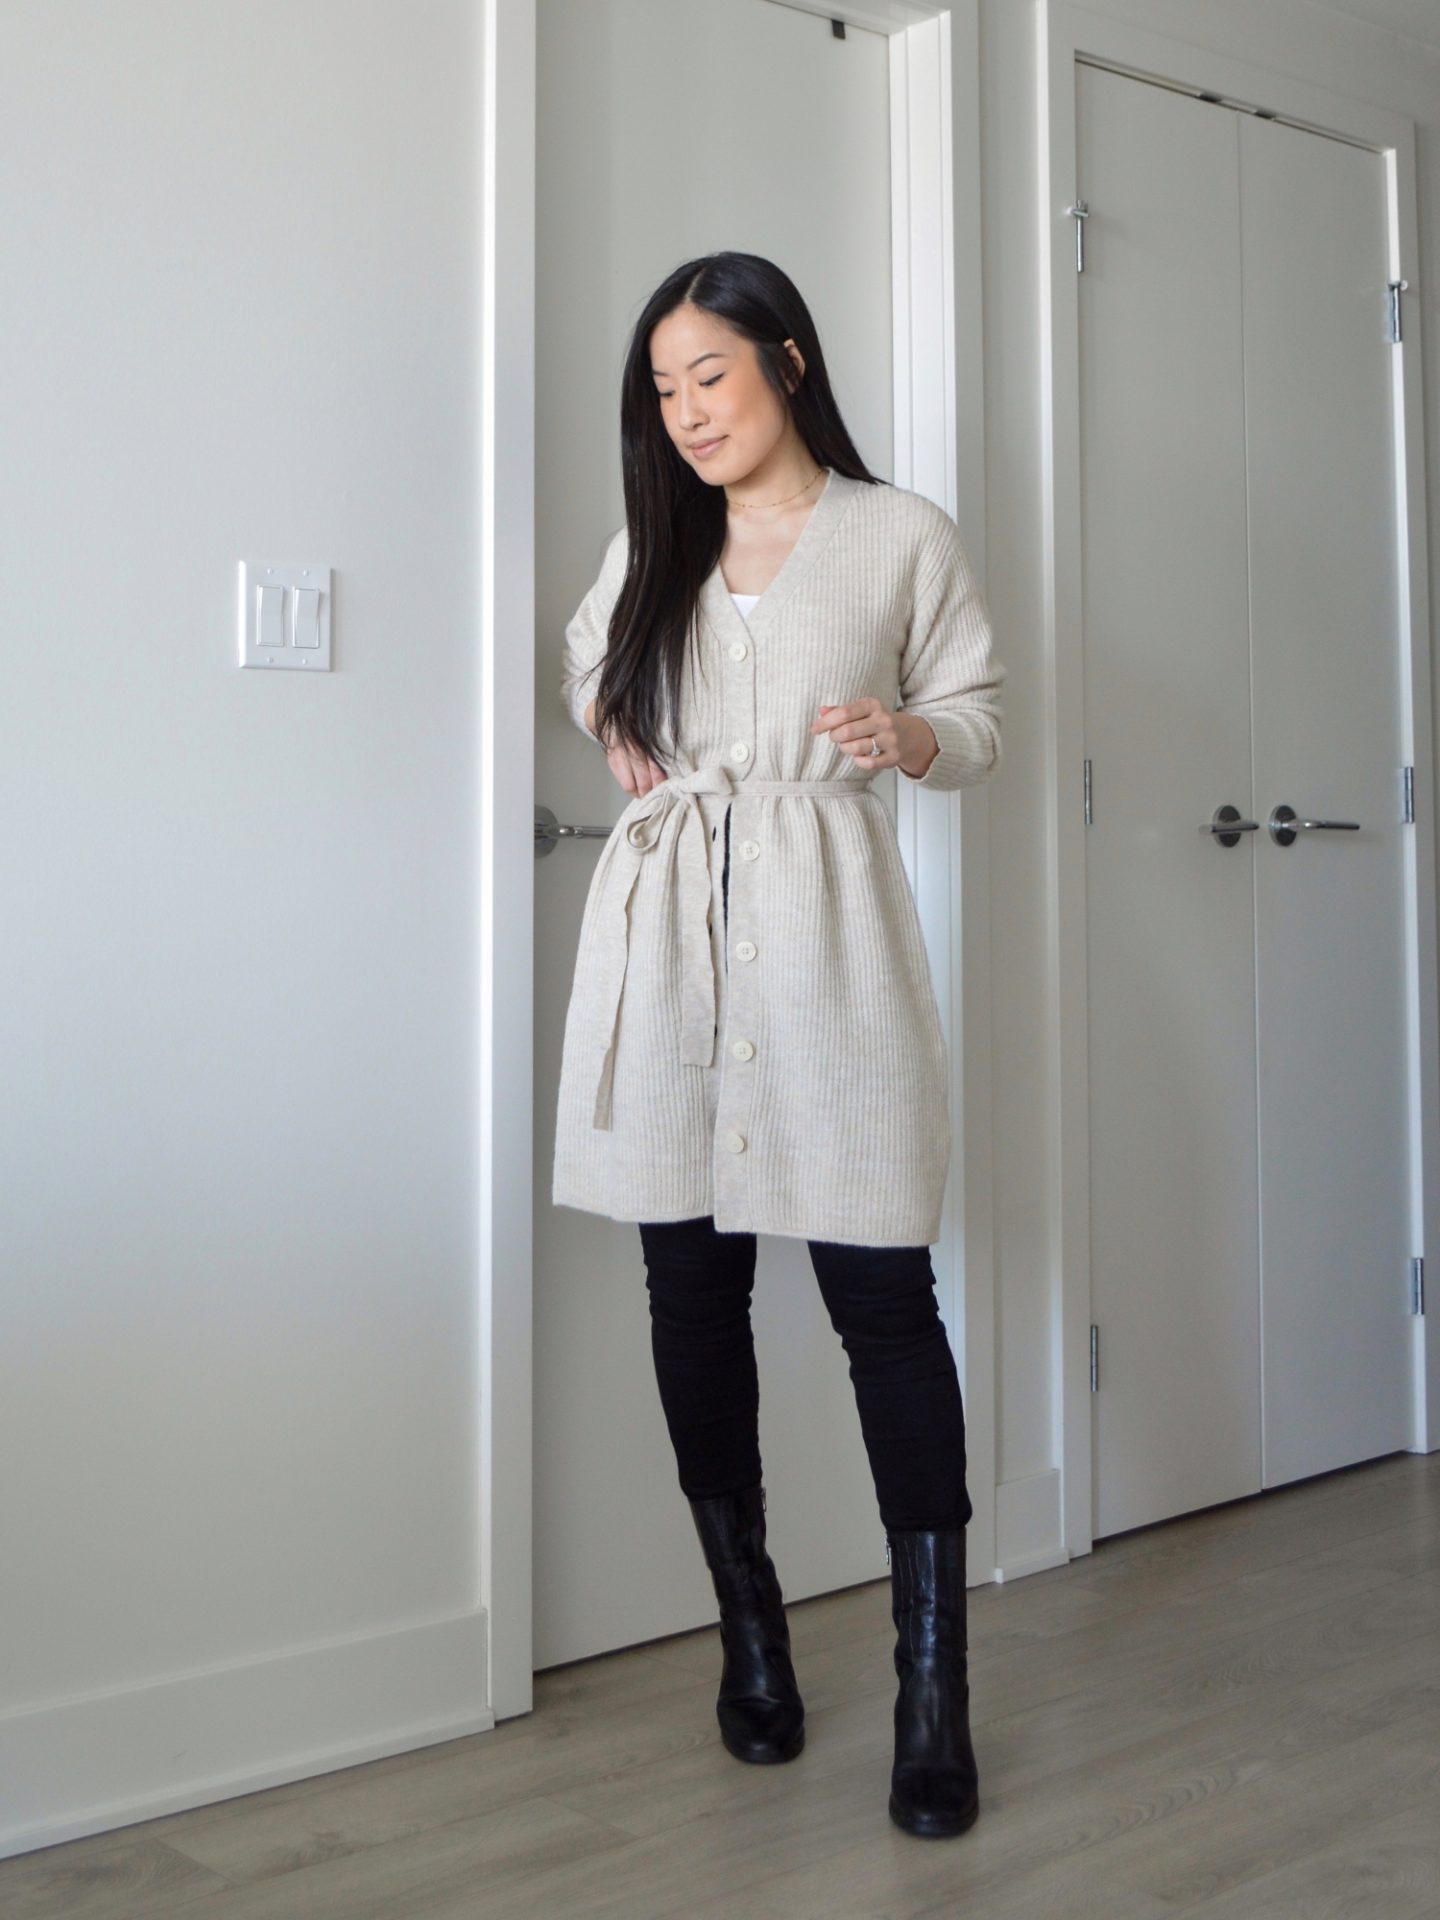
(906, 741)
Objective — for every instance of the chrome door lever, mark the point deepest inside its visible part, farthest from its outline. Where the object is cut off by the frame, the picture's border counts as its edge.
(549, 832)
(1284, 826)
(1228, 826)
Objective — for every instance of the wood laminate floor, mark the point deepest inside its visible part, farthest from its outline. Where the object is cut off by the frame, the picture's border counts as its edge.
(1234, 1716)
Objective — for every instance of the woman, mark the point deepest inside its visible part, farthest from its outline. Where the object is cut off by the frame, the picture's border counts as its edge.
(753, 1043)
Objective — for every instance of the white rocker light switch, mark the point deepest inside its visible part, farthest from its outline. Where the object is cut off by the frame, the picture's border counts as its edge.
(307, 616)
(284, 616)
(272, 616)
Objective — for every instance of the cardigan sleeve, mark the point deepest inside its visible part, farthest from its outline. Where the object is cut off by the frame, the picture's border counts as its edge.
(948, 674)
(588, 633)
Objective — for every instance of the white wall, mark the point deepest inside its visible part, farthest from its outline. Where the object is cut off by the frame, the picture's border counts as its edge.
(237, 940)
(237, 1385)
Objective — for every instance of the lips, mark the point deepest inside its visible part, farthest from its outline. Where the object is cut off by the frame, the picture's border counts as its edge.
(708, 446)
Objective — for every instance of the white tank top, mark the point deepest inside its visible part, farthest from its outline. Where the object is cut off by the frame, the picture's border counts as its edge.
(744, 601)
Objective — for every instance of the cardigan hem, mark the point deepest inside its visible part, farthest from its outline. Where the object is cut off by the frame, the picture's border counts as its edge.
(777, 1228)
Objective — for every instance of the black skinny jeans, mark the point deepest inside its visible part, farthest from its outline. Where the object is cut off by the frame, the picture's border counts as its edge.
(881, 1301)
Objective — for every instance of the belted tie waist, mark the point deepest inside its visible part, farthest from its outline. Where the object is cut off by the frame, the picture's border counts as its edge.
(641, 829)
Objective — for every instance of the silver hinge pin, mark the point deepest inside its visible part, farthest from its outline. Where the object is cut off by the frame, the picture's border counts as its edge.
(1396, 287)
(1080, 213)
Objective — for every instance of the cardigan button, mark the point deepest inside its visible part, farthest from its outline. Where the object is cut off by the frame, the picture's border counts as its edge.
(745, 949)
(739, 751)
(743, 1050)
(738, 649)
(750, 849)
(735, 1142)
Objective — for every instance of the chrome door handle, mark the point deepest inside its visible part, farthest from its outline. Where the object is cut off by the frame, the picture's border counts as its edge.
(1229, 826)
(549, 832)
(1284, 826)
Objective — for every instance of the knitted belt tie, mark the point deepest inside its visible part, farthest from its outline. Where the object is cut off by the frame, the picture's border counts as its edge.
(638, 833)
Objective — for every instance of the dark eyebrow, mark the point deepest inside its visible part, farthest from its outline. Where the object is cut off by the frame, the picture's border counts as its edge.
(714, 354)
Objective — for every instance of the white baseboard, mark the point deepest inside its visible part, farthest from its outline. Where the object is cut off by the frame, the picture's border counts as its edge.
(86, 1765)
(1029, 1525)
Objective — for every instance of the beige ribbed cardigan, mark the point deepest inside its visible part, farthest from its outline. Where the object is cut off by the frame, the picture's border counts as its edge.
(786, 1072)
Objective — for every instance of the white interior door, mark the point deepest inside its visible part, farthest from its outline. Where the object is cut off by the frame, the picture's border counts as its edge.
(1248, 1091)
(680, 136)
(1171, 940)
(1328, 731)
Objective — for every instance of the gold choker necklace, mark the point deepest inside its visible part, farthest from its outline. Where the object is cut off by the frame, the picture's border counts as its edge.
(743, 506)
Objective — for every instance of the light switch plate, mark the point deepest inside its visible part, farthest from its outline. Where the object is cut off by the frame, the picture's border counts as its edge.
(284, 616)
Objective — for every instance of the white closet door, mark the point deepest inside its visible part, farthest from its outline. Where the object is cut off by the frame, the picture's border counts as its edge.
(668, 128)
(1325, 648)
(1246, 1042)
(1167, 701)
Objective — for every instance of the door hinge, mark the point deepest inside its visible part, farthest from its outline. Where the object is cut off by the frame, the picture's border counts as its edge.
(1417, 1284)
(1089, 810)
(1080, 213)
(1094, 1359)
(1397, 287)
(1408, 774)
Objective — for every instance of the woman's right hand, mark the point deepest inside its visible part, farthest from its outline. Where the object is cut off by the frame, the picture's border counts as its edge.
(636, 772)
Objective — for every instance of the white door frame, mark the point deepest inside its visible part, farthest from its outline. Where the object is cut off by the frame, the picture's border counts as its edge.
(1067, 33)
(940, 451)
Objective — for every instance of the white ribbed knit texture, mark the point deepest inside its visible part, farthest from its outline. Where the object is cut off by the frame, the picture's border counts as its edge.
(839, 1096)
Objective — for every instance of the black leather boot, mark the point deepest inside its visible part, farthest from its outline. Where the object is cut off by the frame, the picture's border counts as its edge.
(934, 1786)
(761, 1714)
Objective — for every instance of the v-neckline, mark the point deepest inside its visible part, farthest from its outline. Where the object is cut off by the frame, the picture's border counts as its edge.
(715, 596)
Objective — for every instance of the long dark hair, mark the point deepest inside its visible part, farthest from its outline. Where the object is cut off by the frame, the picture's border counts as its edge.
(677, 523)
